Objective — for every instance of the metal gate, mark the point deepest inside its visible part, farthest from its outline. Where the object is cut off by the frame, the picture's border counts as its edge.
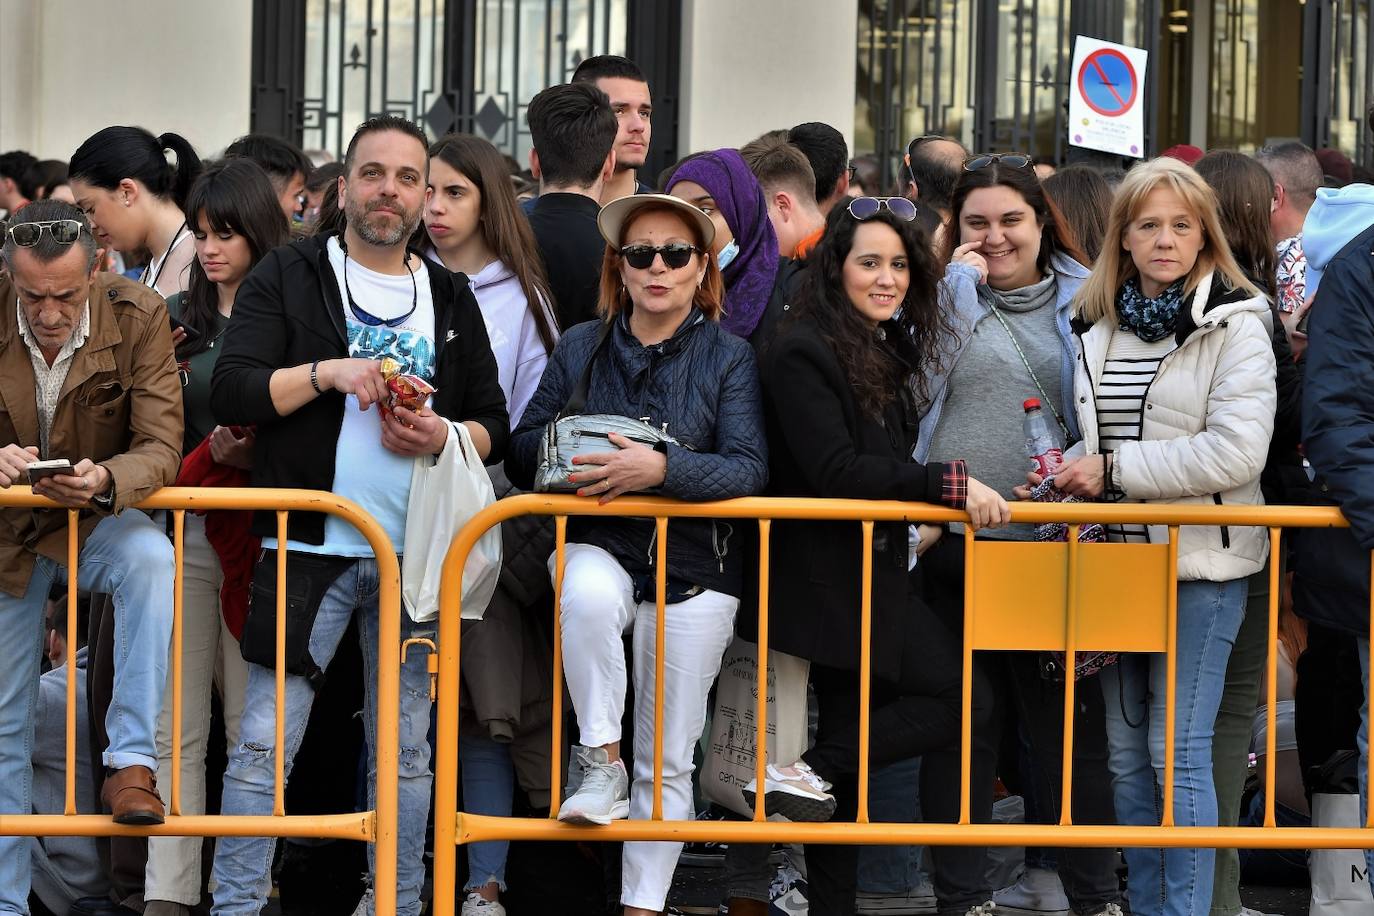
(1338, 77)
(321, 67)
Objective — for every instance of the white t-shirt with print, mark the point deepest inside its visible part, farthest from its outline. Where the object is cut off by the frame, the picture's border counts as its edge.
(376, 479)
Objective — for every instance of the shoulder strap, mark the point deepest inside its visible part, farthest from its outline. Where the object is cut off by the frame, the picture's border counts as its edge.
(578, 401)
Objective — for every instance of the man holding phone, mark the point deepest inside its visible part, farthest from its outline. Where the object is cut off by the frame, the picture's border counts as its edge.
(89, 377)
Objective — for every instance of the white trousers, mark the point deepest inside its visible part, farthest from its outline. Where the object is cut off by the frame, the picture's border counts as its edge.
(598, 608)
(210, 657)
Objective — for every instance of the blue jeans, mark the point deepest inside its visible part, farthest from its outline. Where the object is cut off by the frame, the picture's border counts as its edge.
(129, 557)
(1362, 741)
(243, 865)
(1172, 882)
(488, 788)
(894, 797)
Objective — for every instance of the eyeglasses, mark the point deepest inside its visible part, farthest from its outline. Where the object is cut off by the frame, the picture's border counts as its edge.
(862, 208)
(852, 171)
(1015, 160)
(676, 255)
(63, 232)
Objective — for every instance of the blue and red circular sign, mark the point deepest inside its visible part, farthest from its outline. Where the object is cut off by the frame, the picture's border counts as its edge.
(1108, 82)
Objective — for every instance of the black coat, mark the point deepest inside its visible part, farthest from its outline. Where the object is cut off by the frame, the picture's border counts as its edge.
(288, 312)
(703, 384)
(822, 444)
(1331, 566)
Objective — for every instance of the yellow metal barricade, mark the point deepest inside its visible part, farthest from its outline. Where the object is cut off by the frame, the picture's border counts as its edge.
(377, 826)
(1018, 596)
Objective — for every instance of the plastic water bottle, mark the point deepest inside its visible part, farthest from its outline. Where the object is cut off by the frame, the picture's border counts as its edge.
(1044, 446)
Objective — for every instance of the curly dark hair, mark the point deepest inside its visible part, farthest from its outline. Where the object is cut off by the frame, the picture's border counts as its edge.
(879, 367)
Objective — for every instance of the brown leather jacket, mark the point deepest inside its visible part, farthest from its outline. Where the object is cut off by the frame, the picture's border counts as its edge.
(120, 406)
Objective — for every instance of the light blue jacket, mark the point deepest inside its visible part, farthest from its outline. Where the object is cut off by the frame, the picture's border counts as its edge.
(959, 294)
(1338, 216)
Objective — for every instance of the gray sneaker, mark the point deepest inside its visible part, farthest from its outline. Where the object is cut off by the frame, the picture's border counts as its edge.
(604, 793)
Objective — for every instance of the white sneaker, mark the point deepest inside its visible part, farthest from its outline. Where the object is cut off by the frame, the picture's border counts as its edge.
(797, 793)
(1113, 909)
(366, 906)
(477, 905)
(917, 900)
(604, 793)
(982, 909)
(1038, 892)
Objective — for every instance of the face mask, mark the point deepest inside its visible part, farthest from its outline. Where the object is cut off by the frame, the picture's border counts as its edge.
(727, 254)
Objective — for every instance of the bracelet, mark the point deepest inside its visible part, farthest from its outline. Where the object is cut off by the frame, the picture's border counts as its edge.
(314, 378)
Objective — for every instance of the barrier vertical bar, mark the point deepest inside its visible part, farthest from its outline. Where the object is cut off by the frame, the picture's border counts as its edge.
(446, 814)
(560, 527)
(1272, 674)
(865, 667)
(73, 556)
(1070, 676)
(1171, 675)
(966, 723)
(279, 748)
(178, 647)
(660, 611)
(761, 672)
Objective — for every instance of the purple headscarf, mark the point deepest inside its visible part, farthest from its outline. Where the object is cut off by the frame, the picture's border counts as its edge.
(749, 277)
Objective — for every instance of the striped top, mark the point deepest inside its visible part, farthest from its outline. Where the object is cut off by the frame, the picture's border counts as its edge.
(1130, 368)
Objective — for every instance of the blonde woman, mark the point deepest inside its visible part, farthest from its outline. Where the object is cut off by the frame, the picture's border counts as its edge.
(1175, 396)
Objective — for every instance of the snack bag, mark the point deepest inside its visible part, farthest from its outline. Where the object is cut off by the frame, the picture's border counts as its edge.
(408, 391)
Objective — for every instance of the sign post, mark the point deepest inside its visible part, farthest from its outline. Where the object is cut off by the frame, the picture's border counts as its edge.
(1107, 97)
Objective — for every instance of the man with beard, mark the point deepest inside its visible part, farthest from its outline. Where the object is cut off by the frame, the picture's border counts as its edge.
(302, 362)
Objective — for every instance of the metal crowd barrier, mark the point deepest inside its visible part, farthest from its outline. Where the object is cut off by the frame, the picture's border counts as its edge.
(377, 826)
(1019, 596)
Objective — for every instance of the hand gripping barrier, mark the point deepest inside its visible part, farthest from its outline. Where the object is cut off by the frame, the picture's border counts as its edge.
(1003, 580)
(377, 826)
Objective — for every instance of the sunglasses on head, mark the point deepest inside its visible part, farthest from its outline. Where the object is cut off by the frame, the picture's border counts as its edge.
(862, 208)
(1015, 160)
(63, 232)
(675, 255)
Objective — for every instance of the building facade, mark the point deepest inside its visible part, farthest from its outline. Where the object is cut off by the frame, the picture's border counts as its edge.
(994, 73)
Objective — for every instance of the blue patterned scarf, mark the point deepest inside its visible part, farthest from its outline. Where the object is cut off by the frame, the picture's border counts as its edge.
(1149, 319)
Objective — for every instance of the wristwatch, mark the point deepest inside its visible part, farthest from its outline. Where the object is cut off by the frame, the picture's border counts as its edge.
(105, 501)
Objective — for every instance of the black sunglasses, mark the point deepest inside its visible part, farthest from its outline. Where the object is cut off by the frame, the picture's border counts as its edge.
(63, 232)
(1015, 160)
(862, 208)
(676, 255)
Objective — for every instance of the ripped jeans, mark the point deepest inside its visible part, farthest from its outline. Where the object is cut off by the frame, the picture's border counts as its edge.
(243, 865)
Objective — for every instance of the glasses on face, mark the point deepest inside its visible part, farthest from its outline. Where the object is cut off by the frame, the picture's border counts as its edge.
(852, 171)
(675, 255)
(862, 208)
(1015, 160)
(63, 232)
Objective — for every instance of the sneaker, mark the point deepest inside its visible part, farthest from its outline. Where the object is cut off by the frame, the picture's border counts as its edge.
(604, 793)
(1113, 909)
(477, 905)
(1038, 892)
(982, 909)
(797, 793)
(917, 900)
(366, 906)
(708, 854)
(787, 893)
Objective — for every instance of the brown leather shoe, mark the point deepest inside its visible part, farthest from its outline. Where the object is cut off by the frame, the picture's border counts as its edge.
(131, 795)
(743, 906)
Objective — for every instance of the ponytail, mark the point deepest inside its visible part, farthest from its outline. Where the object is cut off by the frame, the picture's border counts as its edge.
(187, 170)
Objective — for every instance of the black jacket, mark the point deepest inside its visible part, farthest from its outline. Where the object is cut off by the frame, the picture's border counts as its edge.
(703, 383)
(288, 313)
(822, 444)
(1331, 566)
(572, 248)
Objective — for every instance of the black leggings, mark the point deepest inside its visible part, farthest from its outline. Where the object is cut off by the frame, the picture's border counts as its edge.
(917, 715)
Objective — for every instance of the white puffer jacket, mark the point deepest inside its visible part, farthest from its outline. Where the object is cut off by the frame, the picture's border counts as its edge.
(1208, 419)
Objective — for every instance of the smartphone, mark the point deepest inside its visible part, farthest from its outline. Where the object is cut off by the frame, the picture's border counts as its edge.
(192, 335)
(1302, 322)
(41, 469)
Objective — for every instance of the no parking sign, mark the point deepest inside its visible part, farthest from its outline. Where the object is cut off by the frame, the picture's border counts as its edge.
(1107, 97)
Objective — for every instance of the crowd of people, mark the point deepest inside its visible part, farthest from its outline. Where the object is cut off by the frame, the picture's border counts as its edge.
(791, 332)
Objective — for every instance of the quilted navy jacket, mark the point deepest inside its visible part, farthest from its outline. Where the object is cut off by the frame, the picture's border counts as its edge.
(703, 384)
